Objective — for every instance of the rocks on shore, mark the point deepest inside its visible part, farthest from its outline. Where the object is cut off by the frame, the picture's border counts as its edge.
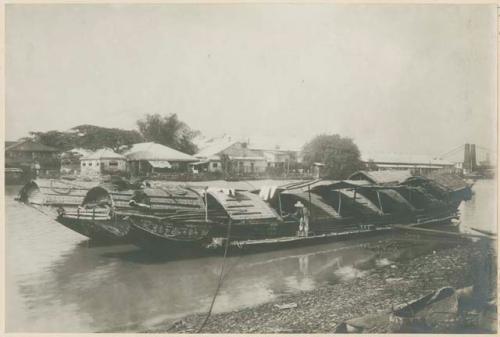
(374, 293)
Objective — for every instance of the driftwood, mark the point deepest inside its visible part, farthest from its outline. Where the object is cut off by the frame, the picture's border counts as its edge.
(482, 231)
(438, 232)
(439, 311)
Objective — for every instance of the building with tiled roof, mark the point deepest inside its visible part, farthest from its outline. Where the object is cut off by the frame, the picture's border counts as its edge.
(31, 157)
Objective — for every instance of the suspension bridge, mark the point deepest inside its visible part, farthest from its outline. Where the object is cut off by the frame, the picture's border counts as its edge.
(475, 160)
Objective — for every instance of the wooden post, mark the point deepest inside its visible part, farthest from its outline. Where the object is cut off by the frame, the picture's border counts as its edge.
(380, 202)
(340, 200)
(310, 203)
(206, 204)
(279, 203)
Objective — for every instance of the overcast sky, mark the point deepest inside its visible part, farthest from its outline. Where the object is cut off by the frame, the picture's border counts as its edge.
(396, 78)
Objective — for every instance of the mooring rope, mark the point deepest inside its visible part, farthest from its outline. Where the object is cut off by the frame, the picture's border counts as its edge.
(220, 281)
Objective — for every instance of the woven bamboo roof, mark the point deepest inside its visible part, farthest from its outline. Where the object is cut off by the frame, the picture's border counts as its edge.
(449, 180)
(382, 177)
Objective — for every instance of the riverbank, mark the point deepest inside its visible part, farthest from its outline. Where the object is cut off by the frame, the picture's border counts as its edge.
(410, 274)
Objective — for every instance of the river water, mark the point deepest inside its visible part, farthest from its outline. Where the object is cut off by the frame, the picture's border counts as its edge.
(56, 281)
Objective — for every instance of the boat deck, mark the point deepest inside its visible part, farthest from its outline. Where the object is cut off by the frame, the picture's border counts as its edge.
(310, 238)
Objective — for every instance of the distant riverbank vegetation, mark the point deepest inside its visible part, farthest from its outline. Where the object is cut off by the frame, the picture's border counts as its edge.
(338, 156)
(167, 130)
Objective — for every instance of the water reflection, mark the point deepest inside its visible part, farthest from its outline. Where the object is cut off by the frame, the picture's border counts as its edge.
(96, 291)
(481, 211)
(55, 281)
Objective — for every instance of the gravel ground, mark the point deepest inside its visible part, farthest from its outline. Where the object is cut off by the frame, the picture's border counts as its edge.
(415, 272)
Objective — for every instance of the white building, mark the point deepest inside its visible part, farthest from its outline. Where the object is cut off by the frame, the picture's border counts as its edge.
(103, 161)
(70, 160)
(146, 158)
(210, 151)
(418, 164)
(235, 155)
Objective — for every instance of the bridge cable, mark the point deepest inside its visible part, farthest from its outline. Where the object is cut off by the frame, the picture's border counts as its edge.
(451, 151)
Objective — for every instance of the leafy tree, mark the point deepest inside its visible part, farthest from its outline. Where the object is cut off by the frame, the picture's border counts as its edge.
(88, 137)
(60, 140)
(168, 130)
(340, 155)
(95, 137)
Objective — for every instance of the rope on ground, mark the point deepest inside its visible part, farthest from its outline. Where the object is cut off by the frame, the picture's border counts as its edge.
(220, 281)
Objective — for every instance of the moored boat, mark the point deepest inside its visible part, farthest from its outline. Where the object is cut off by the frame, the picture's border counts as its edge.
(268, 218)
(48, 195)
(98, 217)
(176, 218)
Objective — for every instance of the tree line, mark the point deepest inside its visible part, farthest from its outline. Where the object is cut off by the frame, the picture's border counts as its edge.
(167, 130)
(339, 155)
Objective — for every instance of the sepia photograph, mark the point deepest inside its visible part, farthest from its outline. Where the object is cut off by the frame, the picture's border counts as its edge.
(250, 167)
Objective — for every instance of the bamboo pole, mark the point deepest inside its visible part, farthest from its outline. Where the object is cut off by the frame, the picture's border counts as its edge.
(380, 202)
(438, 232)
(340, 200)
(279, 203)
(310, 203)
(206, 204)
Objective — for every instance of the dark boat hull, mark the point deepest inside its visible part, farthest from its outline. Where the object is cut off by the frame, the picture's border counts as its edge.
(167, 247)
(158, 244)
(93, 230)
(256, 246)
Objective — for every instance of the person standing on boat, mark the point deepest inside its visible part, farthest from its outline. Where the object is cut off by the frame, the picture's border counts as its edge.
(35, 169)
(303, 213)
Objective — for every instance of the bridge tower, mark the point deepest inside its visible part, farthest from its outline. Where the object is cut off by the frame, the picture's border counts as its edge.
(470, 162)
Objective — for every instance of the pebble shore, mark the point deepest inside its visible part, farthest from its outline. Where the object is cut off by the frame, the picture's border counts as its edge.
(406, 278)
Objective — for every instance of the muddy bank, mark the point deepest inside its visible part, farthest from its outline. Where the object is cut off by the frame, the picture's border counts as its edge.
(410, 274)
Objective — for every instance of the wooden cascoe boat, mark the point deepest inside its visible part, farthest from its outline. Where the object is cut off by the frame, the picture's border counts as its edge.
(168, 217)
(98, 216)
(179, 218)
(49, 195)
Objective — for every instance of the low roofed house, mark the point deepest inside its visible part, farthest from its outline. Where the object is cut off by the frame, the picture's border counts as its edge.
(145, 158)
(9, 143)
(70, 160)
(239, 156)
(281, 161)
(103, 161)
(31, 156)
(212, 147)
(282, 157)
(209, 155)
(418, 164)
(225, 154)
(245, 160)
